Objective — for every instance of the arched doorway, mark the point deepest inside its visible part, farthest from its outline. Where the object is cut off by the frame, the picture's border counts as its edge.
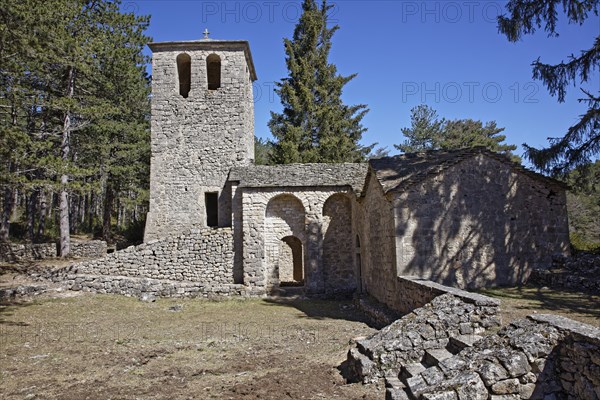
(291, 263)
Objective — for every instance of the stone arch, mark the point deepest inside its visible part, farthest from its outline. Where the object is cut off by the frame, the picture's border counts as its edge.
(184, 74)
(338, 244)
(213, 71)
(285, 217)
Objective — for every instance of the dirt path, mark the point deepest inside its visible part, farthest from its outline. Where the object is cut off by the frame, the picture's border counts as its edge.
(101, 347)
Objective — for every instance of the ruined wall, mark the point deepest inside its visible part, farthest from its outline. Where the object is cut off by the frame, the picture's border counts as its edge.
(262, 230)
(479, 223)
(430, 327)
(198, 262)
(580, 272)
(196, 140)
(541, 357)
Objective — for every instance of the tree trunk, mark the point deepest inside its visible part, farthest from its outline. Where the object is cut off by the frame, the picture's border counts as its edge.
(108, 205)
(7, 206)
(65, 234)
(42, 221)
(31, 210)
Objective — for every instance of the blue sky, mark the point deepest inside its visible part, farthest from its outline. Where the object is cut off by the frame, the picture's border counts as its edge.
(447, 54)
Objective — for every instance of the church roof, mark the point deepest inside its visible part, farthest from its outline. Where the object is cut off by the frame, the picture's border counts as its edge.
(397, 173)
(301, 175)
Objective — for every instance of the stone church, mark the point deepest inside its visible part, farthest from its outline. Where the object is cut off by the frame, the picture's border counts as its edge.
(220, 224)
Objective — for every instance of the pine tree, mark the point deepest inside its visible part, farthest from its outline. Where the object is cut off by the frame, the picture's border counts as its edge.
(425, 130)
(430, 132)
(315, 125)
(581, 141)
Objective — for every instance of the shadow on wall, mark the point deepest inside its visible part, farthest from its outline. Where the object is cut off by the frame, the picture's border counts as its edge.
(338, 246)
(477, 224)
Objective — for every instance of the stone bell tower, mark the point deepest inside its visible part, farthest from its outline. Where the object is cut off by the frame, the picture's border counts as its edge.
(202, 125)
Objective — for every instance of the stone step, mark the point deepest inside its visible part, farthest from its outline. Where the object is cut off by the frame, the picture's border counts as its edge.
(415, 386)
(461, 342)
(433, 357)
(410, 370)
(393, 382)
(396, 394)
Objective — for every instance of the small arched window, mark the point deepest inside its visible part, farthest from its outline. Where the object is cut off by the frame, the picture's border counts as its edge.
(213, 71)
(184, 71)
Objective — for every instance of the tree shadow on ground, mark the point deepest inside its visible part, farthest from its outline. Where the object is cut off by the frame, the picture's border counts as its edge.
(7, 310)
(323, 309)
(547, 300)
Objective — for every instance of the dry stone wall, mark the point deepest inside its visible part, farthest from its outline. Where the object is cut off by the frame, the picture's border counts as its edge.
(14, 252)
(580, 272)
(88, 249)
(197, 263)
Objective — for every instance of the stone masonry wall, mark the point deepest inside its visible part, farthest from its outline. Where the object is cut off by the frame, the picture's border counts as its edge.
(260, 230)
(196, 263)
(14, 252)
(479, 223)
(198, 139)
(580, 272)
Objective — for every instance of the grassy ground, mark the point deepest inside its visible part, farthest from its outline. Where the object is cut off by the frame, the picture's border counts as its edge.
(520, 302)
(101, 347)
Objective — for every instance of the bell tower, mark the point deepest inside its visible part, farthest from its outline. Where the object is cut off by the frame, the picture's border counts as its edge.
(202, 126)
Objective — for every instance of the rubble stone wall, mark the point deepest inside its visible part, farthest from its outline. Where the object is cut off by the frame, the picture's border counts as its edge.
(88, 249)
(195, 263)
(580, 272)
(14, 252)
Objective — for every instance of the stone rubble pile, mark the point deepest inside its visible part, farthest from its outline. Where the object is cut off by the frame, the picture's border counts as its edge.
(406, 340)
(539, 357)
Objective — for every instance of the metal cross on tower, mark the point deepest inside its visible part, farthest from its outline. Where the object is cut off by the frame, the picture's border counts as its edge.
(206, 33)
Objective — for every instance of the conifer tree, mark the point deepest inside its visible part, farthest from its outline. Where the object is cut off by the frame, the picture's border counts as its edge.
(430, 132)
(581, 142)
(74, 105)
(315, 125)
